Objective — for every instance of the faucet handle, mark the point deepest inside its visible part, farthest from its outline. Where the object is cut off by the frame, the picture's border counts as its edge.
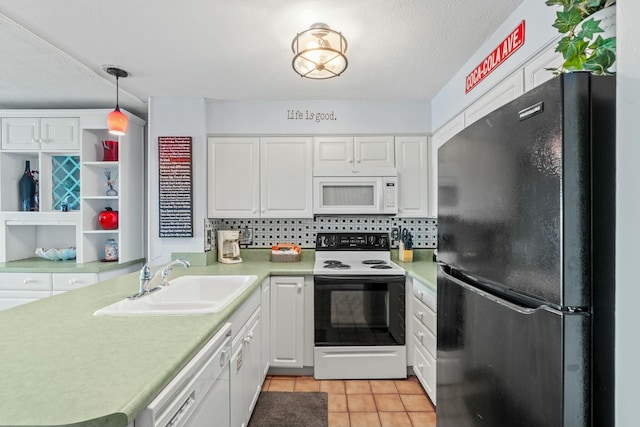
(145, 272)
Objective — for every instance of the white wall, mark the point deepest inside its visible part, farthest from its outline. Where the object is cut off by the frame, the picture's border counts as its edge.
(301, 117)
(451, 99)
(627, 210)
(176, 117)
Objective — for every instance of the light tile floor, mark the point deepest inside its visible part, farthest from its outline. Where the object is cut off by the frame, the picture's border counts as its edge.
(366, 403)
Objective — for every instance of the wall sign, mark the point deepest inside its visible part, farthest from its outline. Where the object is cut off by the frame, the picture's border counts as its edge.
(513, 42)
(175, 186)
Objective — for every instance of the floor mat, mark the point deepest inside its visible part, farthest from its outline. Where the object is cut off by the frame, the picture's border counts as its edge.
(285, 409)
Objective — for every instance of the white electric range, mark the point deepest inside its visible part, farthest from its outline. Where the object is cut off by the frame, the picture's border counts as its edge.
(359, 308)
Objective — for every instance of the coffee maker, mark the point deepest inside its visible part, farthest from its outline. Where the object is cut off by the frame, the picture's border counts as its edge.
(229, 246)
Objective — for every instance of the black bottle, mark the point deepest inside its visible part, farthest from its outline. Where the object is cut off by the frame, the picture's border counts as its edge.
(27, 189)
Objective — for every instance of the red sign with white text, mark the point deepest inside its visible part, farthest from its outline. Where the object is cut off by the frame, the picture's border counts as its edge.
(504, 50)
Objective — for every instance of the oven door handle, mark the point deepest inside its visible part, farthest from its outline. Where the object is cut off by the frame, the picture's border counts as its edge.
(356, 278)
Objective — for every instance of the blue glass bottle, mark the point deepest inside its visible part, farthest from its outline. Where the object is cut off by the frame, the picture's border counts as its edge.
(27, 189)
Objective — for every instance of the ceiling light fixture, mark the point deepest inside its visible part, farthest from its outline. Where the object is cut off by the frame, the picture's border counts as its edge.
(116, 120)
(319, 52)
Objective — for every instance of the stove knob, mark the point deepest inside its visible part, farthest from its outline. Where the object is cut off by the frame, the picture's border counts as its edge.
(372, 240)
(333, 241)
(382, 242)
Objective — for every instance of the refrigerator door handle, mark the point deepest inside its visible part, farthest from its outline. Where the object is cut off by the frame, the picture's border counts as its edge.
(510, 305)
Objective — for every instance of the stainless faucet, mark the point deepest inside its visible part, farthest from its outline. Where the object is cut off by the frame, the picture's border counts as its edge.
(146, 278)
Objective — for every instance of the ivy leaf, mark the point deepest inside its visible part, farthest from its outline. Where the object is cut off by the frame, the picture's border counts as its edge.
(589, 28)
(574, 63)
(557, 2)
(576, 48)
(567, 21)
(563, 46)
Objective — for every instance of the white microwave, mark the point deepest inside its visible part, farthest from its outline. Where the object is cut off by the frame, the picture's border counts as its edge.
(355, 195)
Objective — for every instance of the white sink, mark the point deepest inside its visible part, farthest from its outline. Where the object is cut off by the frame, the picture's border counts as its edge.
(186, 295)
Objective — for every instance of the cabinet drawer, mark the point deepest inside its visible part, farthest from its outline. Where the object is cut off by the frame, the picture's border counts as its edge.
(425, 295)
(424, 366)
(425, 337)
(70, 281)
(425, 315)
(10, 299)
(26, 281)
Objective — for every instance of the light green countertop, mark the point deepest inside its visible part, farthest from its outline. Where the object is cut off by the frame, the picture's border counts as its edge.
(40, 265)
(62, 366)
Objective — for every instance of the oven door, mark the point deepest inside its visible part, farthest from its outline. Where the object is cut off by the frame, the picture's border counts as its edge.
(359, 310)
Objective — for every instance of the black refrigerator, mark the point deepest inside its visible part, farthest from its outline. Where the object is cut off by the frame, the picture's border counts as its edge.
(526, 223)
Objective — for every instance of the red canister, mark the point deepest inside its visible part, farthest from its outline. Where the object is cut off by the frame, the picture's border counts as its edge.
(108, 219)
(110, 151)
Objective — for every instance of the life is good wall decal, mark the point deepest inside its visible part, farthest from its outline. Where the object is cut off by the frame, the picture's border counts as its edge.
(175, 186)
(505, 49)
(315, 116)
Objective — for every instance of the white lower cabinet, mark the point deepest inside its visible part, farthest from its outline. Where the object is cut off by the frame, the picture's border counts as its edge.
(21, 288)
(287, 321)
(247, 370)
(265, 308)
(423, 341)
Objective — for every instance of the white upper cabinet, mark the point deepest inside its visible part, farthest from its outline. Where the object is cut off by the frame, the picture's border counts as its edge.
(347, 155)
(508, 90)
(233, 177)
(286, 177)
(412, 159)
(537, 71)
(446, 131)
(34, 133)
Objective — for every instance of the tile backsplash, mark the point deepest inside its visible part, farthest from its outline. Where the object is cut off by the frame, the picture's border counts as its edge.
(270, 231)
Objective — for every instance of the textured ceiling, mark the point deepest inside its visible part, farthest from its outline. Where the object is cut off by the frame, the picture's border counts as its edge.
(52, 52)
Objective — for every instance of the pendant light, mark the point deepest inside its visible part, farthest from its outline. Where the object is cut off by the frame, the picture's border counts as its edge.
(116, 120)
(319, 52)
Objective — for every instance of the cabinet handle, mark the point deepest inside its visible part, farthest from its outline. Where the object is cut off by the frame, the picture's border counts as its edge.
(420, 294)
(299, 289)
(73, 281)
(420, 314)
(420, 336)
(223, 357)
(27, 281)
(420, 366)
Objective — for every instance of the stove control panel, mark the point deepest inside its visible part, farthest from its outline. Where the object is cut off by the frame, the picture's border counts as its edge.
(353, 241)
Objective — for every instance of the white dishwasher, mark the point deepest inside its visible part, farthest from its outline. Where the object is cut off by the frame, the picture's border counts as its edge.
(198, 396)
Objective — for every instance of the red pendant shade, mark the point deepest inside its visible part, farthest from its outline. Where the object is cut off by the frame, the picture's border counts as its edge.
(116, 120)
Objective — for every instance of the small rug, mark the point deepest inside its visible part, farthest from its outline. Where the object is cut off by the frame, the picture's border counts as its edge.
(290, 409)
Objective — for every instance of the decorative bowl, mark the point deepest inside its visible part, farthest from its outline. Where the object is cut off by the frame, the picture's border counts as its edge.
(57, 254)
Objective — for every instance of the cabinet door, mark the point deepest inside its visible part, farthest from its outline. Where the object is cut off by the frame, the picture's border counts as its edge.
(253, 379)
(536, 71)
(233, 178)
(265, 306)
(374, 153)
(333, 155)
(59, 133)
(508, 90)
(33, 133)
(412, 160)
(70, 281)
(20, 133)
(237, 408)
(287, 321)
(286, 177)
(442, 135)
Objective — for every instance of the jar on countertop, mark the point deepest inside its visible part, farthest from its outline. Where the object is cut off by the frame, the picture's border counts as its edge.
(111, 250)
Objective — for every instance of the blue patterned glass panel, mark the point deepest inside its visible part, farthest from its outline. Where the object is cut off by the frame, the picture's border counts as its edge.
(66, 182)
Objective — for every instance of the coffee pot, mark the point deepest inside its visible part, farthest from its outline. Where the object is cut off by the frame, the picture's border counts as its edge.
(229, 246)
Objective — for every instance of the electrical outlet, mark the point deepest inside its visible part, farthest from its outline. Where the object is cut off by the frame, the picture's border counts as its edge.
(246, 236)
(395, 233)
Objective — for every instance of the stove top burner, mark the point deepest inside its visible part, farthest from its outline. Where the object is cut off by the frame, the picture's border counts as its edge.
(332, 261)
(381, 266)
(373, 261)
(339, 266)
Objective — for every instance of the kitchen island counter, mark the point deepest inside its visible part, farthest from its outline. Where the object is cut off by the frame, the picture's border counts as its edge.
(61, 365)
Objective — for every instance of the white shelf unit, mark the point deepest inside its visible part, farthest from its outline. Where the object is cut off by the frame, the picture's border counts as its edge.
(77, 133)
